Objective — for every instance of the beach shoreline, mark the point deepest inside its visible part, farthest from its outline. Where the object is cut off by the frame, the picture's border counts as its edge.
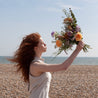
(78, 81)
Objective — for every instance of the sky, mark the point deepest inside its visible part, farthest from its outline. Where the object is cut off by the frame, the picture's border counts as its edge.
(19, 18)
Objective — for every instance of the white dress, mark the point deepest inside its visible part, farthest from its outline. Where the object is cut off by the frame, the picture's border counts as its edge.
(39, 86)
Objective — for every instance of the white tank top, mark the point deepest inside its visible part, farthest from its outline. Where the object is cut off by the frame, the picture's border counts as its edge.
(39, 86)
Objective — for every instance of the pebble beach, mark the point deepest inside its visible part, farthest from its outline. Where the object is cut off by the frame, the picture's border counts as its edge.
(78, 81)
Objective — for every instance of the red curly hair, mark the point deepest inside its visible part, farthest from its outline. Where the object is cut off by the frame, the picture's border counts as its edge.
(25, 54)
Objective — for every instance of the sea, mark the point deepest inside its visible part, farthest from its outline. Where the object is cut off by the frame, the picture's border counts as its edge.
(58, 60)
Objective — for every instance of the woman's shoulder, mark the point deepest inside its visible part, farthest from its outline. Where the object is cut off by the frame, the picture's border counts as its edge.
(36, 63)
(37, 59)
(34, 68)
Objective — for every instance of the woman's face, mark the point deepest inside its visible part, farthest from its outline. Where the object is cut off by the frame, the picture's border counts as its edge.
(41, 46)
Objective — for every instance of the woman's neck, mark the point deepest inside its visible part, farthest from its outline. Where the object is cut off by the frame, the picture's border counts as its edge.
(38, 55)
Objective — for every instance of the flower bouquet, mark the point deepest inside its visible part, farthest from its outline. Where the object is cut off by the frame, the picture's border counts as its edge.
(70, 35)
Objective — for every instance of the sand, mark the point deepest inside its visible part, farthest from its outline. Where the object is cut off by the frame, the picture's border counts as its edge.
(78, 81)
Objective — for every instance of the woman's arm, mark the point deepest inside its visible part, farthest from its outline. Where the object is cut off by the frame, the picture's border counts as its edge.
(43, 67)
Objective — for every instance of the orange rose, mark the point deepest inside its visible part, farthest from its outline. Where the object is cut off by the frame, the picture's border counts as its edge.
(58, 43)
(67, 19)
(78, 36)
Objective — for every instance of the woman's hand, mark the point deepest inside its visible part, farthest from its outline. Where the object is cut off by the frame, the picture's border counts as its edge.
(80, 46)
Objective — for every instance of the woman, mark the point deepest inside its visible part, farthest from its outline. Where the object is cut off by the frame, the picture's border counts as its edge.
(34, 71)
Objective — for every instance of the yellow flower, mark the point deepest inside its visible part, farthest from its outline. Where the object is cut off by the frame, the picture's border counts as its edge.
(58, 43)
(78, 36)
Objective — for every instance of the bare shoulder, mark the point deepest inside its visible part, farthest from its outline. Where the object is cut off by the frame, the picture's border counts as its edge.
(35, 68)
(34, 65)
(37, 65)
